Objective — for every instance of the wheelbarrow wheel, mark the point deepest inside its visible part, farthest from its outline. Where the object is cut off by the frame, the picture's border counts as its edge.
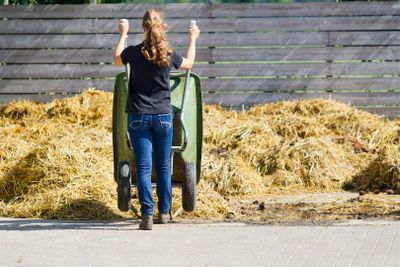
(189, 187)
(124, 186)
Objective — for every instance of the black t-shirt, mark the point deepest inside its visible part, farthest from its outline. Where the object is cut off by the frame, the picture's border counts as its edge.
(148, 89)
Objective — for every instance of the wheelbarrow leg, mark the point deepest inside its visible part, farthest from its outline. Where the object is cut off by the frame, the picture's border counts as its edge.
(177, 213)
(180, 210)
(172, 171)
(135, 211)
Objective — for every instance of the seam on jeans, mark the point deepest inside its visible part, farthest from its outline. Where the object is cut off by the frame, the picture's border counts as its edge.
(132, 122)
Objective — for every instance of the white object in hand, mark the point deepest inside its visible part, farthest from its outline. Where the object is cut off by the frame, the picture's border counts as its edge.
(124, 20)
(127, 22)
(192, 23)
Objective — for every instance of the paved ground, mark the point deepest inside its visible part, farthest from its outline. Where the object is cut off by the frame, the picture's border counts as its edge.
(52, 243)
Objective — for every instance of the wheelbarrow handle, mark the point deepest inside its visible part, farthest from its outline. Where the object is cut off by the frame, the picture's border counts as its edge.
(182, 113)
(127, 66)
(127, 73)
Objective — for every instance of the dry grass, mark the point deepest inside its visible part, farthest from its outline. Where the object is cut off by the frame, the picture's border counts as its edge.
(56, 158)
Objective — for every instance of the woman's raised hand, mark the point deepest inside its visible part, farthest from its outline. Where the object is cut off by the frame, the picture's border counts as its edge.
(123, 27)
(194, 32)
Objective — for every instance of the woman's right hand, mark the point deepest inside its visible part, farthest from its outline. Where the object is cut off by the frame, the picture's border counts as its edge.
(194, 32)
(188, 61)
(123, 26)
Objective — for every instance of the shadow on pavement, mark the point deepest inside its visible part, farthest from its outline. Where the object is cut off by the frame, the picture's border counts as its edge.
(36, 224)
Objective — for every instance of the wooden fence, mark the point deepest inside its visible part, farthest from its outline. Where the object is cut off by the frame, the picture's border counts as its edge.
(247, 53)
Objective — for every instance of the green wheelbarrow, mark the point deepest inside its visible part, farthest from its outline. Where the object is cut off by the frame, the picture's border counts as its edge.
(187, 109)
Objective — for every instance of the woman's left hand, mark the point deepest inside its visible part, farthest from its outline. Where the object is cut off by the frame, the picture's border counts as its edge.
(123, 26)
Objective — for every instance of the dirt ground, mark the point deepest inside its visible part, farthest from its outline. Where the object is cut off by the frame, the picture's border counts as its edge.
(311, 208)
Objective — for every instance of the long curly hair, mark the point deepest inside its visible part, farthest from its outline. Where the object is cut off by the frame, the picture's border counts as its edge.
(156, 48)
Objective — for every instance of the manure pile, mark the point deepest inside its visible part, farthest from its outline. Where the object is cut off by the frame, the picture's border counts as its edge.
(56, 159)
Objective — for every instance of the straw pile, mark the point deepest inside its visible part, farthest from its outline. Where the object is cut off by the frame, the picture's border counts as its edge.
(56, 158)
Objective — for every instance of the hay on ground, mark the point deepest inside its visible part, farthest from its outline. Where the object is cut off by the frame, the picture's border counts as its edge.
(56, 158)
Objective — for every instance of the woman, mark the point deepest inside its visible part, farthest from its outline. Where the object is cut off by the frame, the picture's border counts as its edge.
(149, 109)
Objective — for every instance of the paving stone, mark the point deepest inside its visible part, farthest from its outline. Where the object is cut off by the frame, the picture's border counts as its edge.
(55, 243)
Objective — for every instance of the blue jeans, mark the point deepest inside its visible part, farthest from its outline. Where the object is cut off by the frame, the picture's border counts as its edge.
(151, 135)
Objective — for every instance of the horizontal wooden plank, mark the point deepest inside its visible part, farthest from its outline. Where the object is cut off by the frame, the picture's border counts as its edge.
(58, 71)
(365, 38)
(108, 40)
(202, 10)
(390, 112)
(250, 99)
(208, 55)
(364, 68)
(206, 70)
(40, 26)
(111, 11)
(12, 56)
(298, 69)
(358, 8)
(340, 23)
(220, 39)
(93, 26)
(310, 84)
(25, 86)
(55, 26)
(212, 85)
(302, 53)
(75, 55)
(363, 23)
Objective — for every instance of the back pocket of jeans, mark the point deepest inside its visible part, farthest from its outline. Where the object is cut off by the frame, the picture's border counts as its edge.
(165, 121)
(135, 121)
(134, 125)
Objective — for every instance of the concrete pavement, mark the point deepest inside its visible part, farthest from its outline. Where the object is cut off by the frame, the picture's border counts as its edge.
(58, 243)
